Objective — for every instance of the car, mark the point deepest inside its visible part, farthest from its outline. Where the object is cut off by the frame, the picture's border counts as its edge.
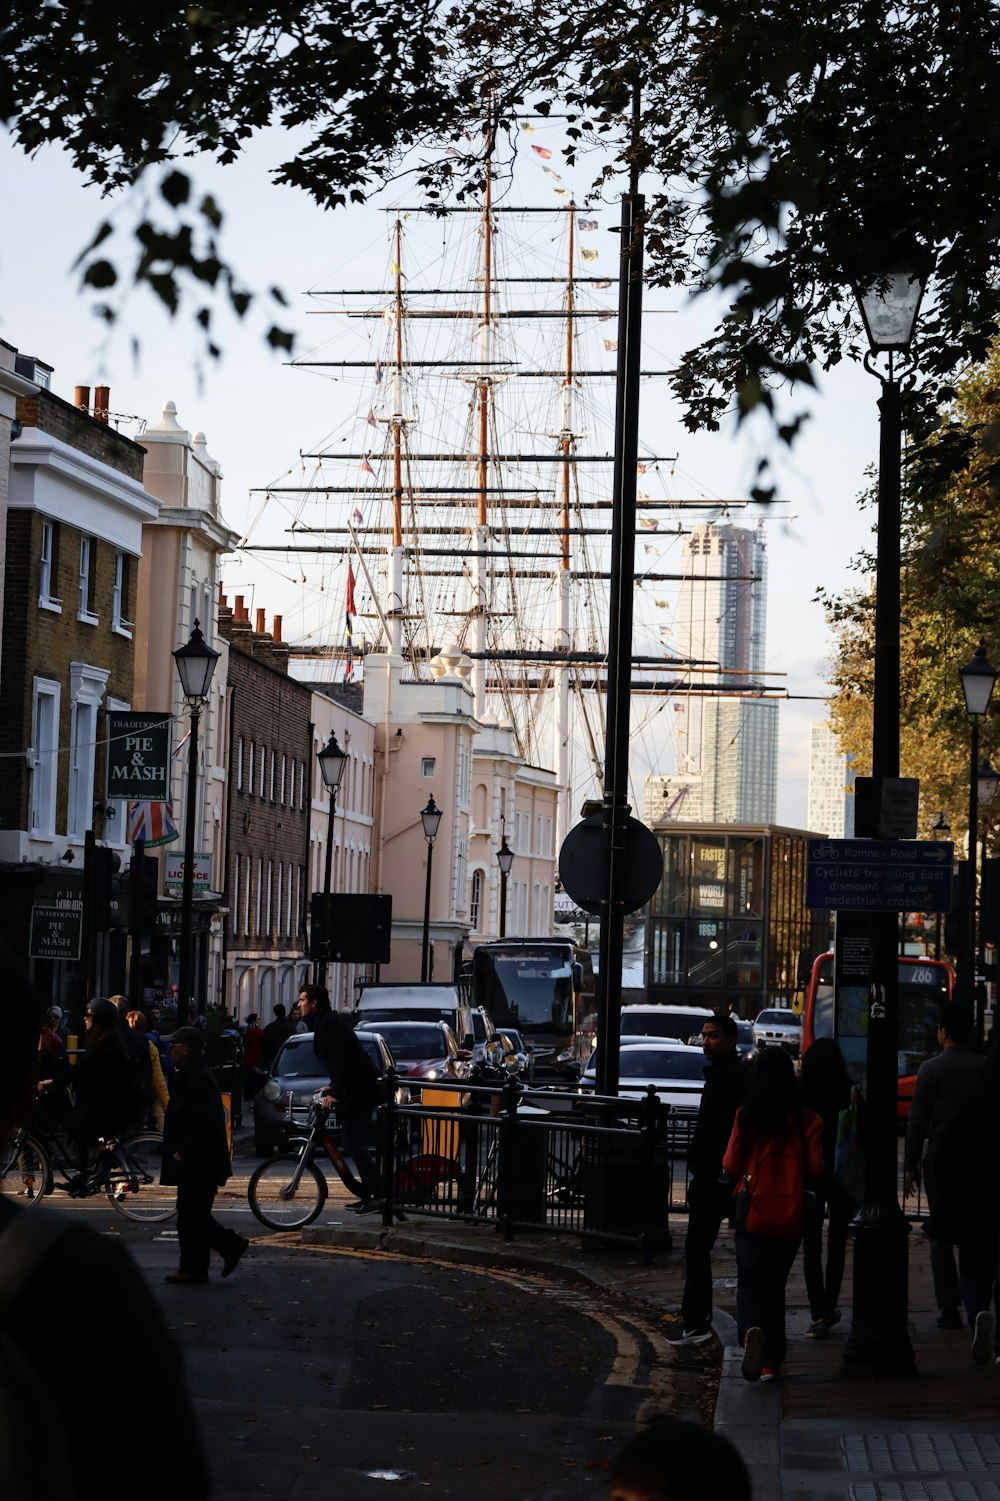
(745, 1045)
(676, 1071)
(423, 1050)
(472, 1025)
(683, 1023)
(295, 1076)
(778, 1027)
(523, 1054)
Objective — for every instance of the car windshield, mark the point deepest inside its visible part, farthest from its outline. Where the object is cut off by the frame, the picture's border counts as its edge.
(780, 1018)
(297, 1060)
(662, 1023)
(660, 1063)
(744, 1032)
(413, 1041)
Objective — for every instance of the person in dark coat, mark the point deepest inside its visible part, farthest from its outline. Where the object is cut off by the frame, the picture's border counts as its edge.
(825, 1089)
(196, 1158)
(107, 1089)
(274, 1035)
(353, 1084)
(710, 1194)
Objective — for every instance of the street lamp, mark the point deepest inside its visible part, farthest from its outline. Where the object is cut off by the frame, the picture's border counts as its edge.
(332, 761)
(430, 817)
(978, 678)
(879, 1338)
(195, 665)
(940, 829)
(505, 859)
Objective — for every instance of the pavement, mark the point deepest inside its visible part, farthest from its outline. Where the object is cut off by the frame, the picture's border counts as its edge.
(822, 1432)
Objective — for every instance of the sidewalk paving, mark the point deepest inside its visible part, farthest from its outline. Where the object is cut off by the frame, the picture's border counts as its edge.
(821, 1433)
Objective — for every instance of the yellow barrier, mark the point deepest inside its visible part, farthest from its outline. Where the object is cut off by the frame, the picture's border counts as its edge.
(440, 1138)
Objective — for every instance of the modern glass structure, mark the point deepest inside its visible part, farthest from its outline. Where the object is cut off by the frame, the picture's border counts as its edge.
(729, 922)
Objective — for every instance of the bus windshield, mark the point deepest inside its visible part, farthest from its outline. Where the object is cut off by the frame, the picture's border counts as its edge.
(922, 988)
(531, 989)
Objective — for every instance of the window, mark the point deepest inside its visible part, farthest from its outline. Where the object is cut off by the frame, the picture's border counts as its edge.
(45, 765)
(281, 781)
(119, 596)
(263, 768)
(278, 914)
(235, 924)
(251, 767)
(260, 898)
(86, 692)
(271, 783)
(88, 572)
(239, 764)
(475, 901)
(116, 821)
(48, 569)
(428, 766)
(269, 926)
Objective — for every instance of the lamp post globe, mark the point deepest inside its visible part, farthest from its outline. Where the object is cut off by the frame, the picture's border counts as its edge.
(505, 859)
(195, 667)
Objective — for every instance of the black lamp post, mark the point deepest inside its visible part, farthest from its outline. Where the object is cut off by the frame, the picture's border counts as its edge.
(195, 665)
(978, 678)
(332, 761)
(940, 829)
(505, 859)
(430, 817)
(879, 1339)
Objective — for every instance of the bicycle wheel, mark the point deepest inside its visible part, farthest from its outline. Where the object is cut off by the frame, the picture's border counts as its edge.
(25, 1171)
(132, 1182)
(271, 1202)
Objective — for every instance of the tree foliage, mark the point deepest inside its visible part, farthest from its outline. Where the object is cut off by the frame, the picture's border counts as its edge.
(789, 150)
(950, 599)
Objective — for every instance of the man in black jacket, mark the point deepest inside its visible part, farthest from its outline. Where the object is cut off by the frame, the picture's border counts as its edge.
(709, 1191)
(275, 1034)
(353, 1084)
(196, 1158)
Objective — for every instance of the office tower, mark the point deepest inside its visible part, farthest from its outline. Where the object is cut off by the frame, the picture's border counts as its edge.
(831, 783)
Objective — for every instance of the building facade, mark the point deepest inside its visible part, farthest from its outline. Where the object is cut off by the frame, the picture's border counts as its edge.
(831, 785)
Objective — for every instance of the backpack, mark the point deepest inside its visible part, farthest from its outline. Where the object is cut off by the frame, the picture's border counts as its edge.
(35, 1462)
(849, 1155)
(771, 1200)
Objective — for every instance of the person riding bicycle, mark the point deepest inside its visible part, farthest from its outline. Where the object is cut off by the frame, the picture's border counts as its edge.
(353, 1085)
(107, 1091)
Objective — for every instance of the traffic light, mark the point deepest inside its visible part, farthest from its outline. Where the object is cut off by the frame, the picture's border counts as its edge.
(104, 868)
(143, 894)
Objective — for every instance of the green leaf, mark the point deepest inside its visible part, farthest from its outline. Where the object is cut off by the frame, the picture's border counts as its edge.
(176, 188)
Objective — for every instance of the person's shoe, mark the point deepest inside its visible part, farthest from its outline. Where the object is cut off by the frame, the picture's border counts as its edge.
(77, 1187)
(949, 1318)
(769, 1373)
(983, 1338)
(186, 1277)
(370, 1206)
(696, 1336)
(832, 1319)
(818, 1329)
(753, 1345)
(231, 1259)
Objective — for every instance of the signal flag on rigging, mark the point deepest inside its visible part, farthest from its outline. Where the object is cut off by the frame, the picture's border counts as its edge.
(351, 610)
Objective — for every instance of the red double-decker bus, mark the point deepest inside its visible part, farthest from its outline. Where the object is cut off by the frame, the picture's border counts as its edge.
(923, 985)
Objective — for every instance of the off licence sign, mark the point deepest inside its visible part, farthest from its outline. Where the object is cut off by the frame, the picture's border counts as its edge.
(173, 873)
(138, 756)
(861, 875)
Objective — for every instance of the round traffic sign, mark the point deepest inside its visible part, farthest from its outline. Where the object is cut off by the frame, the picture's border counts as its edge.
(583, 864)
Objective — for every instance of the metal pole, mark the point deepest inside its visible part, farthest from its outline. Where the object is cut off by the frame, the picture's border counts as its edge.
(503, 905)
(967, 976)
(622, 572)
(185, 968)
(879, 1339)
(137, 883)
(327, 880)
(425, 947)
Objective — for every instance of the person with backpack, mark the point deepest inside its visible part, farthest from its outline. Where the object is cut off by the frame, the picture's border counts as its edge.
(775, 1153)
(825, 1088)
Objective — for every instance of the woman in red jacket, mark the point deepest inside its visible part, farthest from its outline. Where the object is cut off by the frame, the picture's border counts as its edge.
(774, 1154)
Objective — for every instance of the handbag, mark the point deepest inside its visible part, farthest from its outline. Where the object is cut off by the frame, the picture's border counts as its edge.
(741, 1202)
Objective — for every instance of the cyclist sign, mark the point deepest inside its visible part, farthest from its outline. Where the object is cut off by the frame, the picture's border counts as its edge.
(874, 875)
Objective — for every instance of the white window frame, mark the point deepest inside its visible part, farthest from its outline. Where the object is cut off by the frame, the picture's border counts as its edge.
(119, 624)
(46, 599)
(44, 757)
(260, 895)
(269, 927)
(239, 764)
(428, 766)
(116, 829)
(475, 899)
(84, 614)
(271, 783)
(87, 685)
(251, 768)
(283, 778)
(277, 904)
(236, 897)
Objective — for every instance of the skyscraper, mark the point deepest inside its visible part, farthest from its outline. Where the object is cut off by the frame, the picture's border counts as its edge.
(831, 780)
(731, 742)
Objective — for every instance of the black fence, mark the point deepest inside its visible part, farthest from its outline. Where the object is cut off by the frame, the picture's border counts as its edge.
(607, 1170)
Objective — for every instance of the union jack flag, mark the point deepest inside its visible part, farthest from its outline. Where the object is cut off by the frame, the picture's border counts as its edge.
(153, 823)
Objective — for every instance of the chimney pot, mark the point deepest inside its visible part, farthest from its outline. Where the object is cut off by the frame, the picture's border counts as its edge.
(81, 398)
(102, 403)
(277, 628)
(259, 626)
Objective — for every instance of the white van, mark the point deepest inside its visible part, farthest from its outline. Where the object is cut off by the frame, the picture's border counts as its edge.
(472, 1026)
(681, 1022)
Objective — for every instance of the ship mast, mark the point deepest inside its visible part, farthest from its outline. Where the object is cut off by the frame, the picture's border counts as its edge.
(484, 393)
(563, 641)
(398, 423)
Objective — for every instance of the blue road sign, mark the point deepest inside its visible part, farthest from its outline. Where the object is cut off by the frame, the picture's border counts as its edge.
(875, 875)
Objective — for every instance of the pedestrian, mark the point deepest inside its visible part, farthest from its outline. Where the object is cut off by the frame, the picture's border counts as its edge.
(135, 1047)
(710, 1194)
(55, 1022)
(107, 1091)
(297, 1019)
(353, 1085)
(116, 1321)
(825, 1088)
(775, 1153)
(275, 1034)
(942, 1084)
(253, 1048)
(964, 1165)
(161, 1094)
(679, 1461)
(196, 1158)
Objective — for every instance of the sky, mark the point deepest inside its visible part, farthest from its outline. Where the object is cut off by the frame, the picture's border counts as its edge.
(258, 414)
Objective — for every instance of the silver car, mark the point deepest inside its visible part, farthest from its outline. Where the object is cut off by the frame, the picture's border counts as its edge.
(778, 1027)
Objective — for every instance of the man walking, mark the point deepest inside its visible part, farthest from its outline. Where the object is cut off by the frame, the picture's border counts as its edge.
(196, 1158)
(942, 1084)
(274, 1035)
(353, 1084)
(710, 1194)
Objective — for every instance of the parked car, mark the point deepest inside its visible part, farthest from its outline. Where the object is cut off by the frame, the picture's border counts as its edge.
(778, 1027)
(296, 1075)
(683, 1023)
(423, 1050)
(745, 1045)
(521, 1052)
(675, 1070)
(472, 1025)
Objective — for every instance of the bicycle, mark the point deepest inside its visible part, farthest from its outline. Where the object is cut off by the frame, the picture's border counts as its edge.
(289, 1192)
(126, 1168)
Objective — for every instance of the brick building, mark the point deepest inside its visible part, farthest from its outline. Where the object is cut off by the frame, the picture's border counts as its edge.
(75, 511)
